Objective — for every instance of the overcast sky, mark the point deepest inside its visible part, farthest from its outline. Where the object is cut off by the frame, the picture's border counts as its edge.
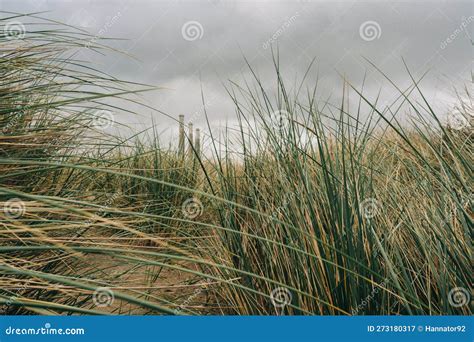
(183, 44)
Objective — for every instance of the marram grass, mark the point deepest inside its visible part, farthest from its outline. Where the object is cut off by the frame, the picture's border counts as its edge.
(306, 209)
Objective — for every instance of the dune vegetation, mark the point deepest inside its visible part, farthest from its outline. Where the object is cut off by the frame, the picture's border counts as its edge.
(304, 208)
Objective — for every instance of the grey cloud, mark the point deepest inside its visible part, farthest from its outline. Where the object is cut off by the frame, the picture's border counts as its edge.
(326, 30)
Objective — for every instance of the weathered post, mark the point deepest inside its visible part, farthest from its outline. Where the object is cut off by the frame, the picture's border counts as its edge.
(190, 139)
(181, 136)
(197, 143)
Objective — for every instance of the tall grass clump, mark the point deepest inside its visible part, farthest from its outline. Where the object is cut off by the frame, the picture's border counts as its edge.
(356, 209)
(71, 200)
(305, 208)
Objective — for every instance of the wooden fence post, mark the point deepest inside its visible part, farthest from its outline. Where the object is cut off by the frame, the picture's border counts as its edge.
(197, 143)
(190, 139)
(181, 136)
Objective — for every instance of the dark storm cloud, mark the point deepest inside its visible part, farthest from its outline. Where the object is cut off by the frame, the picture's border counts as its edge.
(429, 35)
